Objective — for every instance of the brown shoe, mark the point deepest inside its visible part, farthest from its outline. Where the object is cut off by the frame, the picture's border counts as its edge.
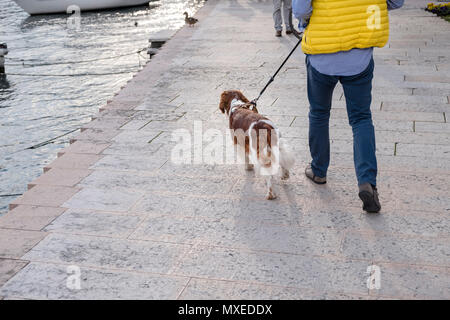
(310, 175)
(288, 31)
(278, 33)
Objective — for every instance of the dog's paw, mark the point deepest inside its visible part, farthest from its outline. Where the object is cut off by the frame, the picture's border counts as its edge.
(271, 196)
(249, 167)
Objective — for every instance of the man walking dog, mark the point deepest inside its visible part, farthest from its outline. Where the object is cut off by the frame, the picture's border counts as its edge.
(339, 37)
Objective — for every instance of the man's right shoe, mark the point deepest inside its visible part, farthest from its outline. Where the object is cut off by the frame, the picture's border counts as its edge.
(369, 196)
(278, 33)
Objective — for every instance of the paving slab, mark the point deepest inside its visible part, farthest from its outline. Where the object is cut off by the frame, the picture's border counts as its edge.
(45, 195)
(106, 123)
(412, 282)
(75, 161)
(149, 182)
(103, 199)
(93, 251)
(41, 281)
(235, 233)
(60, 177)
(420, 126)
(9, 268)
(127, 162)
(415, 250)
(15, 243)
(201, 289)
(25, 217)
(218, 207)
(95, 223)
(396, 221)
(276, 269)
(86, 147)
(96, 135)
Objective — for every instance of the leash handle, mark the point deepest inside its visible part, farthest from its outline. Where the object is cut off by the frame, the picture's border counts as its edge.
(272, 78)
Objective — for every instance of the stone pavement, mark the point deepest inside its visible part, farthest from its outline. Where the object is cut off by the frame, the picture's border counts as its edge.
(139, 226)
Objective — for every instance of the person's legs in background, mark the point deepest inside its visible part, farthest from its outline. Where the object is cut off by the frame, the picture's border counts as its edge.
(277, 17)
(287, 10)
(320, 93)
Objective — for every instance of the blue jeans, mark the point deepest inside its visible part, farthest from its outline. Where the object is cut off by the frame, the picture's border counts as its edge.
(358, 96)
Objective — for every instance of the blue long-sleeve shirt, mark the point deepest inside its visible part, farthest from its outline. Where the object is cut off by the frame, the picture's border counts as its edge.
(342, 63)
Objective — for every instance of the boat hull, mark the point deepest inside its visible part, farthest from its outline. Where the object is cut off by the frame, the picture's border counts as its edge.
(60, 6)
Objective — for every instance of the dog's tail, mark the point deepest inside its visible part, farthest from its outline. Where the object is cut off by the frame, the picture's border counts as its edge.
(270, 154)
(266, 156)
(287, 159)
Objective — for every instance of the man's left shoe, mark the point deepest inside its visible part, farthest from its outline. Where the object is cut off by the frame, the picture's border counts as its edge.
(369, 196)
(310, 175)
(288, 31)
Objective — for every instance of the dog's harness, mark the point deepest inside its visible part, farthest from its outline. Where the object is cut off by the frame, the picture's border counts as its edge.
(238, 104)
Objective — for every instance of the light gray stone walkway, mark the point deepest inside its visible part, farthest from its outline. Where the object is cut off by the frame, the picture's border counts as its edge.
(139, 226)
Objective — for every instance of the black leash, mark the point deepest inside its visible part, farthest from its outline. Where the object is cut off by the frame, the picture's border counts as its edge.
(299, 36)
(273, 77)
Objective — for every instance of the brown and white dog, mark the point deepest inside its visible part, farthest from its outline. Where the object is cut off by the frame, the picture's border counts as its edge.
(258, 137)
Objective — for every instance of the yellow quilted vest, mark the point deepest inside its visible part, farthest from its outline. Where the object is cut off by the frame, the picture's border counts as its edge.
(341, 25)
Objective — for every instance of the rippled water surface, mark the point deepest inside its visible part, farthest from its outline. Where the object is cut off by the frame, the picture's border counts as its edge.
(36, 105)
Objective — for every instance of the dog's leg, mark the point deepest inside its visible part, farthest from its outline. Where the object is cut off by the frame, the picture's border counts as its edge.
(270, 192)
(248, 165)
(236, 151)
(284, 174)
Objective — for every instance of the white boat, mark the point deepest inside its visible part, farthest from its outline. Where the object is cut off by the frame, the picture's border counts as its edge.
(61, 6)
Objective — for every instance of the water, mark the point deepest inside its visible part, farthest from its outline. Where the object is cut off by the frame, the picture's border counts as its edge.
(34, 109)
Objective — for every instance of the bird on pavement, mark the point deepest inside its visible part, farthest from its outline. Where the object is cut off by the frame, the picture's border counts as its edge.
(189, 20)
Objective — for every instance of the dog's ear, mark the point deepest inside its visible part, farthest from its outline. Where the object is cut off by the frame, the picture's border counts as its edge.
(242, 97)
(224, 104)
